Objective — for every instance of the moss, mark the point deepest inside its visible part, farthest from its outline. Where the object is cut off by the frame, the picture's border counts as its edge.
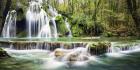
(108, 34)
(62, 29)
(1, 49)
(99, 48)
(3, 53)
(59, 18)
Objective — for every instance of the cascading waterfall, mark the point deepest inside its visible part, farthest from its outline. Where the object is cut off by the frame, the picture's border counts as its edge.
(50, 30)
(76, 47)
(54, 29)
(113, 49)
(43, 25)
(53, 13)
(68, 27)
(39, 24)
(76, 54)
(37, 19)
(9, 29)
(118, 50)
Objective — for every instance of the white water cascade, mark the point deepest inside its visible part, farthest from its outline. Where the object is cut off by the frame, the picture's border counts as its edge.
(119, 50)
(9, 29)
(76, 56)
(68, 27)
(50, 30)
(39, 23)
(37, 20)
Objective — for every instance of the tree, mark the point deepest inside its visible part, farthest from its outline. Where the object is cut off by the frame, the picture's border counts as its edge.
(132, 7)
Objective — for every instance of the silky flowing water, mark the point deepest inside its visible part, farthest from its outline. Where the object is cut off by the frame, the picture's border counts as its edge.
(37, 59)
(41, 26)
(33, 62)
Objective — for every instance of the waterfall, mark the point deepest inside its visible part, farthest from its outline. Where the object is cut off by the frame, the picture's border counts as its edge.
(9, 29)
(37, 21)
(54, 14)
(113, 48)
(50, 30)
(53, 11)
(45, 31)
(119, 50)
(68, 27)
(74, 53)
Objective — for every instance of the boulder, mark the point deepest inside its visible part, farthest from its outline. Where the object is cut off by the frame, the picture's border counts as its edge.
(70, 55)
(99, 48)
(59, 53)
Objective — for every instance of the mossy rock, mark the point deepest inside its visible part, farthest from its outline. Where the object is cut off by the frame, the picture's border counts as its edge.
(62, 29)
(99, 48)
(3, 54)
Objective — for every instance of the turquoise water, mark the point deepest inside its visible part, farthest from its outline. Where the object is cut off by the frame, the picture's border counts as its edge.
(127, 62)
(18, 64)
(39, 60)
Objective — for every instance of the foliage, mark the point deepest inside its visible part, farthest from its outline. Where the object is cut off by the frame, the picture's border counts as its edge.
(99, 48)
(93, 17)
(96, 17)
(61, 25)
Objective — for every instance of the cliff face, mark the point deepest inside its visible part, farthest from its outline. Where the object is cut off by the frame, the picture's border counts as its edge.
(2, 7)
(5, 6)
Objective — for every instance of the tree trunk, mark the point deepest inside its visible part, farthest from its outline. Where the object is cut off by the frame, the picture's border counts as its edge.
(132, 7)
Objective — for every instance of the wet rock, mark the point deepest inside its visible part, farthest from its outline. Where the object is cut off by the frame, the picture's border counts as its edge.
(67, 46)
(73, 57)
(99, 48)
(3, 54)
(59, 53)
(70, 55)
